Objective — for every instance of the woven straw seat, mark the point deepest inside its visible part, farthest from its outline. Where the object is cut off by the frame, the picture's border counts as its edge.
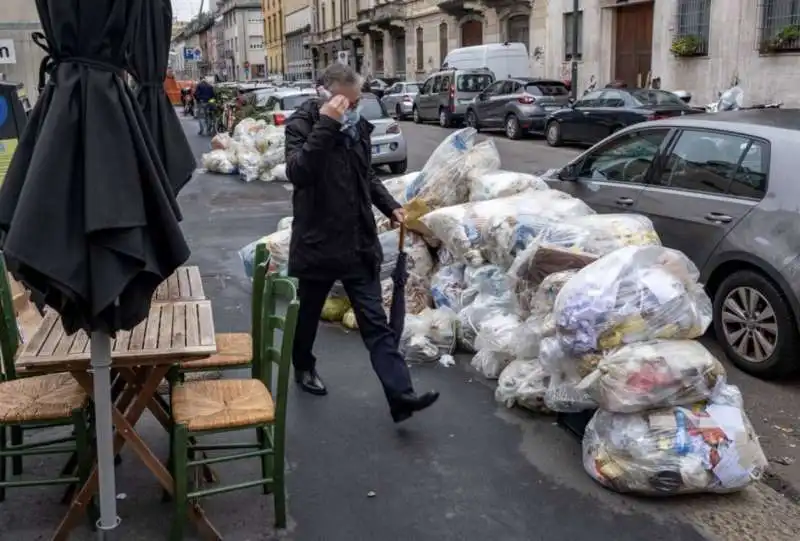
(226, 403)
(40, 398)
(234, 349)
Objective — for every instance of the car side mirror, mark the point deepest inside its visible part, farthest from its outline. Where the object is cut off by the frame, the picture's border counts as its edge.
(569, 173)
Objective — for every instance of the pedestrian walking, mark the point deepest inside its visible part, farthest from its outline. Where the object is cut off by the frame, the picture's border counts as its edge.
(203, 94)
(334, 237)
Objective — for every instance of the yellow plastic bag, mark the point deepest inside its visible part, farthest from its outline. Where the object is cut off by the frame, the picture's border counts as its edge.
(334, 309)
(349, 320)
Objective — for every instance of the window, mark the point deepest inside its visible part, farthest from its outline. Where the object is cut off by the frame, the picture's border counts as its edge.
(333, 13)
(437, 84)
(256, 42)
(519, 29)
(780, 25)
(613, 98)
(592, 99)
(508, 88)
(547, 88)
(427, 88)
(420, 51)
(412, 88)
(473, 82)
(655, 97)
(712, 162)
(290, 103)
(446, 83)
(569, 29)
(371, 109)
(324, 22)
(626, 159)
(494, 89)
(394, 89)
(691, 28)
(442, 42)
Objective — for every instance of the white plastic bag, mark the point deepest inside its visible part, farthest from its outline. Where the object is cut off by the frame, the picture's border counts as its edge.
(447, 287)
(523, 383)
(218, 161)
(496, 184)
(279, 173)
(709, 447)
(249, 165)
(487, 294)
(490, 364)
(285, 223)
(428, 335)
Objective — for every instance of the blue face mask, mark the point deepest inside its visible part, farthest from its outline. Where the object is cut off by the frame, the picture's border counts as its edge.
(351, 117)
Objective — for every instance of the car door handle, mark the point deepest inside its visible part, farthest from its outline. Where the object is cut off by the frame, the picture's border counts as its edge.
(625, 201)
(717, 217)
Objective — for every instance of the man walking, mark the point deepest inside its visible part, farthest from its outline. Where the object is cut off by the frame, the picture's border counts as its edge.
(334, 237)
(203, 94)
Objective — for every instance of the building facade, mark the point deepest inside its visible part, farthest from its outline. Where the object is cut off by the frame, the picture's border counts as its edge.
(297, 38)
(273, 16)
(19, 55)
(243, 37)
(701, 46)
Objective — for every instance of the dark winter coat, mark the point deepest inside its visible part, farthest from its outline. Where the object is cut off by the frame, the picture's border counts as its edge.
(333, 232)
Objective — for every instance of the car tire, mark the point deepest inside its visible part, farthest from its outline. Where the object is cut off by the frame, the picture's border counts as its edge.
(471, 120)
(417, 118)
(444, 118)
(398, 113)
(552, 134)
(513, 128)
(398, 168)
(785, 341)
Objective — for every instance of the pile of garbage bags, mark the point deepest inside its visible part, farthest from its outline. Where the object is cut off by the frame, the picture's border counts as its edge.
(256, 150)
(568, 310)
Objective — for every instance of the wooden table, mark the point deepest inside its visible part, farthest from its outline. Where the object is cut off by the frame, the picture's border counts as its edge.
(185, 284)
(142, 356)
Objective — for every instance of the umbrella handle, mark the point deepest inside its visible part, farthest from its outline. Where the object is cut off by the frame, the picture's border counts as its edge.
(402, 242)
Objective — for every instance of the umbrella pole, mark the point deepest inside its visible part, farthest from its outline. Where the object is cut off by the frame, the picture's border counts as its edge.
(104, 430)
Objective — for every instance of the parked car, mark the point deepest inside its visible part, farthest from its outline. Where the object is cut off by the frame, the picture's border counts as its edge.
(399, 99)
(517, 105)
(388, 143)
(600, 113)
(723, 190)
(445, 95)
(283, 103)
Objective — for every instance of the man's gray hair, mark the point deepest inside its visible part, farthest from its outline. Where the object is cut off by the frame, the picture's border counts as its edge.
(340, 74)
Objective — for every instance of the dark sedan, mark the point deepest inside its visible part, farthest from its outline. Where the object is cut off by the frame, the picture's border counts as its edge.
(517, 106)
(600, 113)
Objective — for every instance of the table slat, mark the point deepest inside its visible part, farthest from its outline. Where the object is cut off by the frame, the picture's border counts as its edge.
(177, 331)
(184, 285)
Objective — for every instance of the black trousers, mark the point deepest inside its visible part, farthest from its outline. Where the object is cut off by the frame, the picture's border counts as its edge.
(365, 295)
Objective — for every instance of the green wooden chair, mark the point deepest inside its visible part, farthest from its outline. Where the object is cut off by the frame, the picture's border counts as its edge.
(214, 406)
(234, 350)
(37, 402)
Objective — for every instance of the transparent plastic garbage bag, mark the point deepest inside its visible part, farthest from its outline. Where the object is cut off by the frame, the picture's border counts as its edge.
(218, 161)
(487, 293)
(447, 287)
(633, 294)
(428, 335)
(495, 184)
(523, 383)
(708, 447)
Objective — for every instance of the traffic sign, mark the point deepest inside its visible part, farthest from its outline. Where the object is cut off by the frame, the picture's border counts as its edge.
(7, 53)
(198, 55)
(188, 53)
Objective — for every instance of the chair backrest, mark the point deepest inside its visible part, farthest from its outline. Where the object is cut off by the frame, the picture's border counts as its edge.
(9, 331)
(273, 350)
(260, 266)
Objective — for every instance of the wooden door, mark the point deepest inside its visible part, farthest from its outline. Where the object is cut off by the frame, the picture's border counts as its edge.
(471, 33)
(634, 43)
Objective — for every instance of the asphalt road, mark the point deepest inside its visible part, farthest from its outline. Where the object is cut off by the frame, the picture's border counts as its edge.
(467, 470)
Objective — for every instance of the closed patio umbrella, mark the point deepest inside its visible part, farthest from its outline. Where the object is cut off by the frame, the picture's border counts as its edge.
(148, 64)
(87, 215)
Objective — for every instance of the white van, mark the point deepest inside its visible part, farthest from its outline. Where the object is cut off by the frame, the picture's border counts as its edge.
(505, 60)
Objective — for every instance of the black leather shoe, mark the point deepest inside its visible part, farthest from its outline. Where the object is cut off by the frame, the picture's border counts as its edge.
(405, 405)
(310, 382)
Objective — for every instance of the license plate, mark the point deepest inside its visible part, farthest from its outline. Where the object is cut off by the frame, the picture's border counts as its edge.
(376, 149)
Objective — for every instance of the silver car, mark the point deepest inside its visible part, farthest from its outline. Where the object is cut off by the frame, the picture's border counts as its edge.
(281, 104)
(399, 99)
(445, 95)
(723, 189)
(388, 143)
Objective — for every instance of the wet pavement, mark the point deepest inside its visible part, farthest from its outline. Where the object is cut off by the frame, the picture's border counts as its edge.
(466, 470)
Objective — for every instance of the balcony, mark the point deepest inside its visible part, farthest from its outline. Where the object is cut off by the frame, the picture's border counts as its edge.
(497, 5)
(459, 8)
(350, 29)
(389, 16)
(364, 20)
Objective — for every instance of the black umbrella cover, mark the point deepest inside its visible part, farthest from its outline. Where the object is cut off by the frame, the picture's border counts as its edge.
(397, 310)
(148, 64)
(87, 216)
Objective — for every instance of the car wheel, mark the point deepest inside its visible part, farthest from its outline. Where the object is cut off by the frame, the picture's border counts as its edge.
(472, 120)
(398, 168)
(398, 113)
(755, 325)
(553, 134)
(513, 129)
(417, 118)
(444, 118)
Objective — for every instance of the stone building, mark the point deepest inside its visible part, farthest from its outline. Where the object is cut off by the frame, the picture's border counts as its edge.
(19, 55)
(297, 28)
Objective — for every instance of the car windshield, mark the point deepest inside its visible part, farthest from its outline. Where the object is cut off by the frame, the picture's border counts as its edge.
(412, 88)
(655, 97)
(371, 109)
(289, 103)
(473, 82)
(546, 88)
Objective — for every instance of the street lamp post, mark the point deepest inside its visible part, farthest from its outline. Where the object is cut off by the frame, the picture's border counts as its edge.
(574, 75)
(341, 24)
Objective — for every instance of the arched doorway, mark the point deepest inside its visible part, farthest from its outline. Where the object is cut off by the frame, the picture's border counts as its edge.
(518, 30)
(471, 33)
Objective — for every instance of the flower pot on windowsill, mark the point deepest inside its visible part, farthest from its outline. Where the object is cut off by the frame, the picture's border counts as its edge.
(687, 46)
(786, 40)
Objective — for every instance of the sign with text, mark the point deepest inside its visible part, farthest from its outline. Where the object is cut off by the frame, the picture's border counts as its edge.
(7, 53)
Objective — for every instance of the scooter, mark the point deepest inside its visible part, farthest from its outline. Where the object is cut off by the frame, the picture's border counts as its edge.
(188, 101)
(733, 99)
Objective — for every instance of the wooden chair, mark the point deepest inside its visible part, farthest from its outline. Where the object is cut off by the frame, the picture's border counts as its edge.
(214, 406)
(37, 402)
(235, 350)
